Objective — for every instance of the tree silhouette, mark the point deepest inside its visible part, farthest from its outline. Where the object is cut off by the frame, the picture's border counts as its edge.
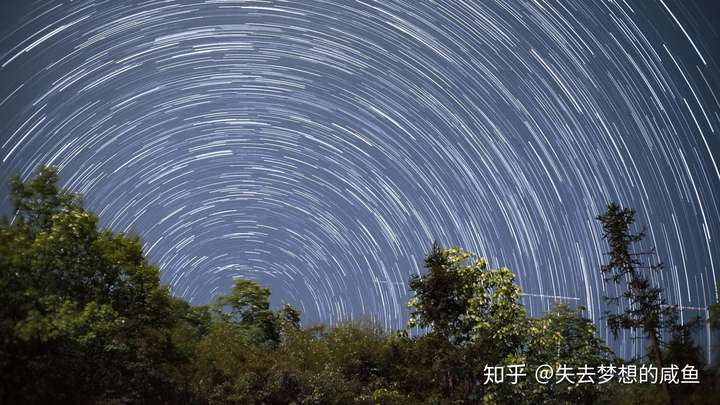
(645, 308)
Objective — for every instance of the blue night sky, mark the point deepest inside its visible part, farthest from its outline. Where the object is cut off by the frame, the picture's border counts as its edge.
(319, 147)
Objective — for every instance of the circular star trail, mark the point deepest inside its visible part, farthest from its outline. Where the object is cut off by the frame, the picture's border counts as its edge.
(319, 147)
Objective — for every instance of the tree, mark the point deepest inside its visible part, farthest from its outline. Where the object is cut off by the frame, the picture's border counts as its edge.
(474, 309)
(646, 309)
(288, 318)
(37, 200)
(714, 320)
(462, 300)
(248, 306)
(564, 337)
(84, 317)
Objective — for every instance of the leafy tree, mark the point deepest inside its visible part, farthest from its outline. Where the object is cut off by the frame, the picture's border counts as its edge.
(248, 306)
(564, 337)
(462, 300)
(83, 313)
(475, 309)
(36, 201)
(233, 368)
(288, 318)
(84, 319)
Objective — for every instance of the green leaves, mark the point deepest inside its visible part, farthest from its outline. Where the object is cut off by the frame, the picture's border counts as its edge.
(63, 319)
(38, 199)
(84, 319)
(248, 306)
(247, 302)
(463, 300)
(77, 301)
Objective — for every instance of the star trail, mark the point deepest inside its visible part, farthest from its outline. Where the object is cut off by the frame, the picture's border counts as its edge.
(319, 147)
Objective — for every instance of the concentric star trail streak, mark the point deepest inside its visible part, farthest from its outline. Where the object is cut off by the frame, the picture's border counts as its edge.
(319, 147)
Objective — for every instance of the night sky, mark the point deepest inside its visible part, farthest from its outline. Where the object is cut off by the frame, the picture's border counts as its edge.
(319, 147)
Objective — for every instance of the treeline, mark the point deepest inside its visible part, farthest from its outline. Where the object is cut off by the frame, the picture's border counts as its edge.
(84, 319)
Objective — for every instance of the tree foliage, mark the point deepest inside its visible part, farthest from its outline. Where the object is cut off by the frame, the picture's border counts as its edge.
(84, 314)
(84, 319)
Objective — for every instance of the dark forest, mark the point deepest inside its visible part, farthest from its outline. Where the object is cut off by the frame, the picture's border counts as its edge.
(85, 320)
